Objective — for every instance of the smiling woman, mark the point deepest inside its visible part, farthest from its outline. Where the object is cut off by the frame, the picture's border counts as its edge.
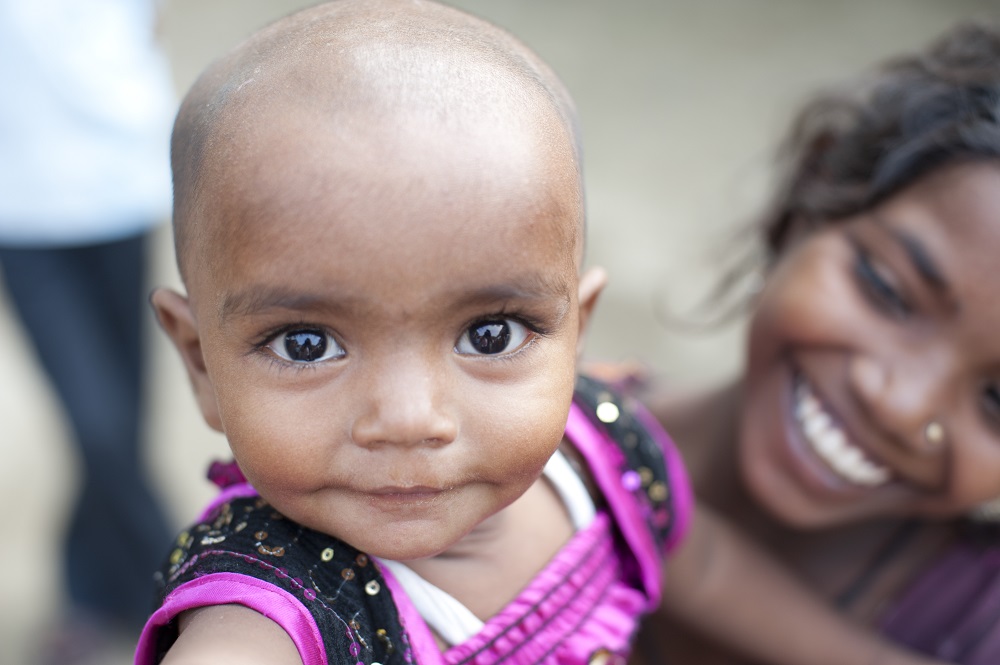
(866, 426)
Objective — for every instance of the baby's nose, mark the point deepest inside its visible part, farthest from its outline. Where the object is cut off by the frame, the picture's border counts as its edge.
(406, 406)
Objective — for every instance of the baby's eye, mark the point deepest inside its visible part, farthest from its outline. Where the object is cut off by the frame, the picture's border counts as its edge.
(492, 337)
(878, 288)
(305, 345)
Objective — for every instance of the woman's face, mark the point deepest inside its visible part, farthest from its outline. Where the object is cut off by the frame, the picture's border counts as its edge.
(867, 331)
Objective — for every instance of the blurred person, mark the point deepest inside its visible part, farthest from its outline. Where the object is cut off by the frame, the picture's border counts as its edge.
(861, 444)
(84, 176)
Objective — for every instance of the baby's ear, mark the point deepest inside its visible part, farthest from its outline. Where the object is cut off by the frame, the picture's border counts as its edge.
(592, 282)
(176, 318)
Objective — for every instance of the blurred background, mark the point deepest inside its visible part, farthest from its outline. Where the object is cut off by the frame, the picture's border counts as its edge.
(682, 103)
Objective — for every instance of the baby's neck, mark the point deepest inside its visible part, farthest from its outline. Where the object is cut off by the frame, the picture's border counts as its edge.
(488, 567)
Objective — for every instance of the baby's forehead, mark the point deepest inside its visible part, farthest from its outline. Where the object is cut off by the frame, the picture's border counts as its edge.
(360, 100)
(391, 175)
(392, 203)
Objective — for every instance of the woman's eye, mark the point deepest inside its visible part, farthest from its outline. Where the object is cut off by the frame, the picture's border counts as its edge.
(305, 345)
(878, 288)
(492, 337)
(991, 402)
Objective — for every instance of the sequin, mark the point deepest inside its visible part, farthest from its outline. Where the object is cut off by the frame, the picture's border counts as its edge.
(383, 636)
(355, 649)
(646, 475)
(373, 587)
(271, 551)
(239, 527)
(327, 554)
(176, 556)
(260, 535)
(658, 491)
(347, 574)
(607, 412)
(631, 480)
(184, 539)
(212, 540)
(605, 657)
(361, 560)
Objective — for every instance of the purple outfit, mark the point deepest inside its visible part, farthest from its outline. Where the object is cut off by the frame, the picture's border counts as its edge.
(340, 607)
(952, 611)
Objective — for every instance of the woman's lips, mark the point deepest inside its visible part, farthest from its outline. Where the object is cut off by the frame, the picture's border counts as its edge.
(830, 443)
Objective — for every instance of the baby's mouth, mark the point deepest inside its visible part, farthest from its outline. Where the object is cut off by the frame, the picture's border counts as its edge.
(831, 444)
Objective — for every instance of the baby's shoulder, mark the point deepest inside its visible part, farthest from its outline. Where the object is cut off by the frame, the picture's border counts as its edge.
(231, 633)
(318, 589)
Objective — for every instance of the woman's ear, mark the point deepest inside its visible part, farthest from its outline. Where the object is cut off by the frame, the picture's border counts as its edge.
(592, 282)
(173, 311)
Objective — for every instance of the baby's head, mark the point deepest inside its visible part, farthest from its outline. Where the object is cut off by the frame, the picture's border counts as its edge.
(873, 369)
(379, 222)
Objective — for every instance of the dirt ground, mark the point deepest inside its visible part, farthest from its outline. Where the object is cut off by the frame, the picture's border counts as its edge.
(681, 103)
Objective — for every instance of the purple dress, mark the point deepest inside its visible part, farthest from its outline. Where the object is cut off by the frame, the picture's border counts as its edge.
(952, 611)
(339, 606)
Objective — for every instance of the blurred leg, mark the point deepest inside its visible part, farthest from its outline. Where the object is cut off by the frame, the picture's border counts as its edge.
(83, 311)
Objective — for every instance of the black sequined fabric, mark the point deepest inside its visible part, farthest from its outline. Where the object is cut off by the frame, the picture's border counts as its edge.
(340, 586)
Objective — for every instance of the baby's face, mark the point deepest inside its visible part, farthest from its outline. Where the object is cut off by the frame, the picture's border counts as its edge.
(388, 321)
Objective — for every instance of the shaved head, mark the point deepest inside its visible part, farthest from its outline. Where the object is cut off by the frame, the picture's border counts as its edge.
(346, 67)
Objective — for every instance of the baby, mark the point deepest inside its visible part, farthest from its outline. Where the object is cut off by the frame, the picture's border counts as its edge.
(379, 222)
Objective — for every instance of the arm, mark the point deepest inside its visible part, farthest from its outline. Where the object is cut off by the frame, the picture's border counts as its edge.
(223, 634)
(723, 586)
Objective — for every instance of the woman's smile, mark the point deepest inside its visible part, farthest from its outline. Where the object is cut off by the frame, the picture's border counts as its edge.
(826, 437)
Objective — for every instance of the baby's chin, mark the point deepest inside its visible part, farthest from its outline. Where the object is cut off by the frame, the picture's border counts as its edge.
(404, 547)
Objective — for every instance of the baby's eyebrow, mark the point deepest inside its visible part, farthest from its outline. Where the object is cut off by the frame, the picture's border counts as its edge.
(533, 289)
(258, 298)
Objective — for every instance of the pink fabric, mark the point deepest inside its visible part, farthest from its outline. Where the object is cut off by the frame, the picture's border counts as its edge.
(605, 461)
(421, 638)
(576, 606)
(232, 588)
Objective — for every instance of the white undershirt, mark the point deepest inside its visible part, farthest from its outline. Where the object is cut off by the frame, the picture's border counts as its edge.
(449, 618)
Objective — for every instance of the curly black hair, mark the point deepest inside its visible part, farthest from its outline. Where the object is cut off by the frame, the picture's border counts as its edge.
(851, 149)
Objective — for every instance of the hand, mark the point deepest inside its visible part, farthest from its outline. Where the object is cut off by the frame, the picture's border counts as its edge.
(624, 375)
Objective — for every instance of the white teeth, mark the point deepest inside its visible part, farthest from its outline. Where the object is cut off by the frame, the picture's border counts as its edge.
(831, 444)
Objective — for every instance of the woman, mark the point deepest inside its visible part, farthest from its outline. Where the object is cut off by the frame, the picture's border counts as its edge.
(861, 445)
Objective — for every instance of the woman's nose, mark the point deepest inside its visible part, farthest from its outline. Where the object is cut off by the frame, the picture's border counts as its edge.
(902, 396)
(405, 403)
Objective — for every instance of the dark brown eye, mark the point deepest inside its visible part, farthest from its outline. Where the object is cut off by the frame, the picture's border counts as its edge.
(305, 345)
(489, 338)
(492, 337)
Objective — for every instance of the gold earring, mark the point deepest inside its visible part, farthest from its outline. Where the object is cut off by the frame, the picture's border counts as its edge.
(934, 433)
